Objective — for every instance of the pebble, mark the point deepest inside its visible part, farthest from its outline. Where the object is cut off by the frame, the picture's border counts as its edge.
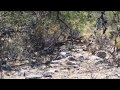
(76, 66)
(71, 63)
(94, 58)
(72, 59)
(63, 53)
(59, 57)
(33, 76)
(81, 58)
(48, 74)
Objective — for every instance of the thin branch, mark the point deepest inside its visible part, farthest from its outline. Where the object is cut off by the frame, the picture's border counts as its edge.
(58, 17)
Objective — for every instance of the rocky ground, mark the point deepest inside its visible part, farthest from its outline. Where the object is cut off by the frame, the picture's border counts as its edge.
(74, 64)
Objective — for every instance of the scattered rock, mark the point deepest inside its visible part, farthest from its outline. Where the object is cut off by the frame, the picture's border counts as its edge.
(62, 68)
(80, 50)
(55, 62)
(84, 48)
(72, 59)
(86, 56)
(81, 58)
(99, 62)
(59, 57)
(100, 68)
(22, 72)
(77, 50)
(64, 77)
(94, 57)
(85, 76)
(6, 67)
(33, 76)
(98, 75)
(63, 48)
(56, 70)
(71, 63)
(48, 74)
(63, 53)
(76, 66)
(68, 54)
(68, 68)
(34, 63)
(113, 77)
(101, 54)
(7, 73)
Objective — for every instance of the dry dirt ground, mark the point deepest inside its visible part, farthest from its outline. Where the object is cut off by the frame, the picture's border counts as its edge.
(78, 65)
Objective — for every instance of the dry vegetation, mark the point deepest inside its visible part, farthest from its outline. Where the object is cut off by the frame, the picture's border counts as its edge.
(25, 36)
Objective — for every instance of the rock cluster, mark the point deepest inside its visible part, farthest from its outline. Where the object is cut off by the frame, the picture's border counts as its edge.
(74, 64)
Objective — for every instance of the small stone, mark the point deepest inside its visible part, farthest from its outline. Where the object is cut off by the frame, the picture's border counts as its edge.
(86, 57)
(101, 54)
(94, 57)
(43, 67)
(98, 75)
(68, 54)
(63, 53)
(48, 74)
(76, 66)
(21, 73)
(71, 59)
(68, 68)
(7, 73)
(33, 76)
(36, 53)
(59, 57)
(55, 62)
(6, 67)
(12, 72)
(113, 77)
(62, 68)
(6, 59)
(77, 50)
(56, 71)
(81, 58)
(71, 63)
(100, 68)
